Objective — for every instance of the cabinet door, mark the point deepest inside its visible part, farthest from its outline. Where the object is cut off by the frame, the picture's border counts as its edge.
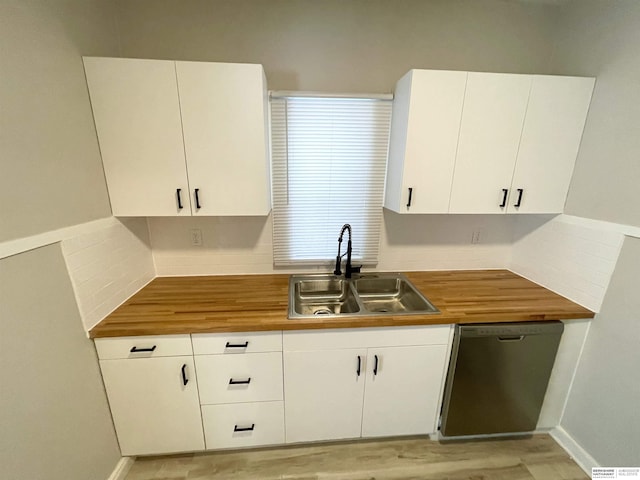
(424, 136)
(224, 120)
(492, 118)
(551, 137)
(323, 394)
(402, 394)
(153, 411)
(137, 116)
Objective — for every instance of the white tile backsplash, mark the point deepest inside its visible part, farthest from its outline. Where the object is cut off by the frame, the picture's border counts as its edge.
(243, 245)
(573, 259)
(443, 242)
(107, 265)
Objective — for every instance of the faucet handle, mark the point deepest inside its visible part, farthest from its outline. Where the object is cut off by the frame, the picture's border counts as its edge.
(356, 269)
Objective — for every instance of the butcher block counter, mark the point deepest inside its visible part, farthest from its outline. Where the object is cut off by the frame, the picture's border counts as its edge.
(242, 303)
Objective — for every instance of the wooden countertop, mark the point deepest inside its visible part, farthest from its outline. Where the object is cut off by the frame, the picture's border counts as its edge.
(172, 305)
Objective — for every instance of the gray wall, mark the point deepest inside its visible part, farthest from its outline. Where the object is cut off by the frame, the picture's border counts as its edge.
(602, 412)
(53, 411)
(54, 417)
(602, 38)
(51, 169)
(339, 45)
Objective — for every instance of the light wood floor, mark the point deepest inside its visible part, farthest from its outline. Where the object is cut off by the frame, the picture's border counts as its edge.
(538, 457)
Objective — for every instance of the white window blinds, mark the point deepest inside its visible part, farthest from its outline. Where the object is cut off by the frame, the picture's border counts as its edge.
(329, 162)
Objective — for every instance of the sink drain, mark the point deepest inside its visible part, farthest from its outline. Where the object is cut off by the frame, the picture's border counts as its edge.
(323, 311)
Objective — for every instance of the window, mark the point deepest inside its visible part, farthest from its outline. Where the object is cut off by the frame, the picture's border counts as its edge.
(328, 162)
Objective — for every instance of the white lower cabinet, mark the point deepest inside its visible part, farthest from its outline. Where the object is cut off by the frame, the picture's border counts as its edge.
(378, 389)
(243, 424)
(323, 394)
(240, 384)
(402, 395)
(154, 404)
(240, 390)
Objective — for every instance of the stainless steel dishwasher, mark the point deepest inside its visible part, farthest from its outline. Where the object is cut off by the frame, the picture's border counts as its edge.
(498, 376)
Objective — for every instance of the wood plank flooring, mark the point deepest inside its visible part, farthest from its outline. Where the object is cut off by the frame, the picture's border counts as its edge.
(537, 458)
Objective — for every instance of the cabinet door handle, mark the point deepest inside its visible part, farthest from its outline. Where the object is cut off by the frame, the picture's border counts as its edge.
(179, 196)
(517, 204)
(359, 365)
(197, 191)
(410, 195)
(185, 380)
(135, 349)
(237, 345)
(375, 365)
(236, 428)
(239, 382)
(505, 192)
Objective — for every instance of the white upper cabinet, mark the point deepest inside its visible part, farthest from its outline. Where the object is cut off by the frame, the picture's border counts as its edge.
(467, 142)
(494, 110)
(181, 138)
(425, 124)
(224, 118)
(549, 145)
(137, 116)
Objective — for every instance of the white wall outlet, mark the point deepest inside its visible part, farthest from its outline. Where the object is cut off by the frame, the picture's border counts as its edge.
(196, 237)
(475, 236)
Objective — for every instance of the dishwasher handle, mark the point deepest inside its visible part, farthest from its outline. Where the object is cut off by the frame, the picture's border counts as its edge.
(517, 338)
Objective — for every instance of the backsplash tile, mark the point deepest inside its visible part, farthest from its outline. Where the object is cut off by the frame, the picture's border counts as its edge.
(574, 260)
(108, 265)
(243, 245)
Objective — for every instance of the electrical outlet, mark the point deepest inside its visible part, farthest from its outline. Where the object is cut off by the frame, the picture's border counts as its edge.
(196, 237)
(475, 237)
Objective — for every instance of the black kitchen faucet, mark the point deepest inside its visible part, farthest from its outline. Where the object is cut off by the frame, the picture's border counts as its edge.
(348, 268)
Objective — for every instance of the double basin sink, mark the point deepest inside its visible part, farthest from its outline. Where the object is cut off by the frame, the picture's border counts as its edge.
(366, 294)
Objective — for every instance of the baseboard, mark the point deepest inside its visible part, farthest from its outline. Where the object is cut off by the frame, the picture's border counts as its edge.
(122, 468)
(573, 448)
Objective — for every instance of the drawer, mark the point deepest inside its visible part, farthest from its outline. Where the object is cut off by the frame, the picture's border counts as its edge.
(306, 340)
(254, 377)
(143, 347)
(243, 424)
(249, 342)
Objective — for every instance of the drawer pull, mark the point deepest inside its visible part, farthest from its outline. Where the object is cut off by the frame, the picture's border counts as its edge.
(239, 382)
(375, 366)
(236, 428)
(185, 380)
(135, 349)
(237, 345)
(359, 365)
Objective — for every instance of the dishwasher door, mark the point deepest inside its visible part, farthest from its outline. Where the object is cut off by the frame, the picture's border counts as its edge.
(498, 376)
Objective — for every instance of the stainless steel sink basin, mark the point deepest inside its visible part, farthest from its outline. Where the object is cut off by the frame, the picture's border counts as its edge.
(322, 296)
(367, 294)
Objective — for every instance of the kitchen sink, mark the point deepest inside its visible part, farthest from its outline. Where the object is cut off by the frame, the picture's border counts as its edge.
(366, 294)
